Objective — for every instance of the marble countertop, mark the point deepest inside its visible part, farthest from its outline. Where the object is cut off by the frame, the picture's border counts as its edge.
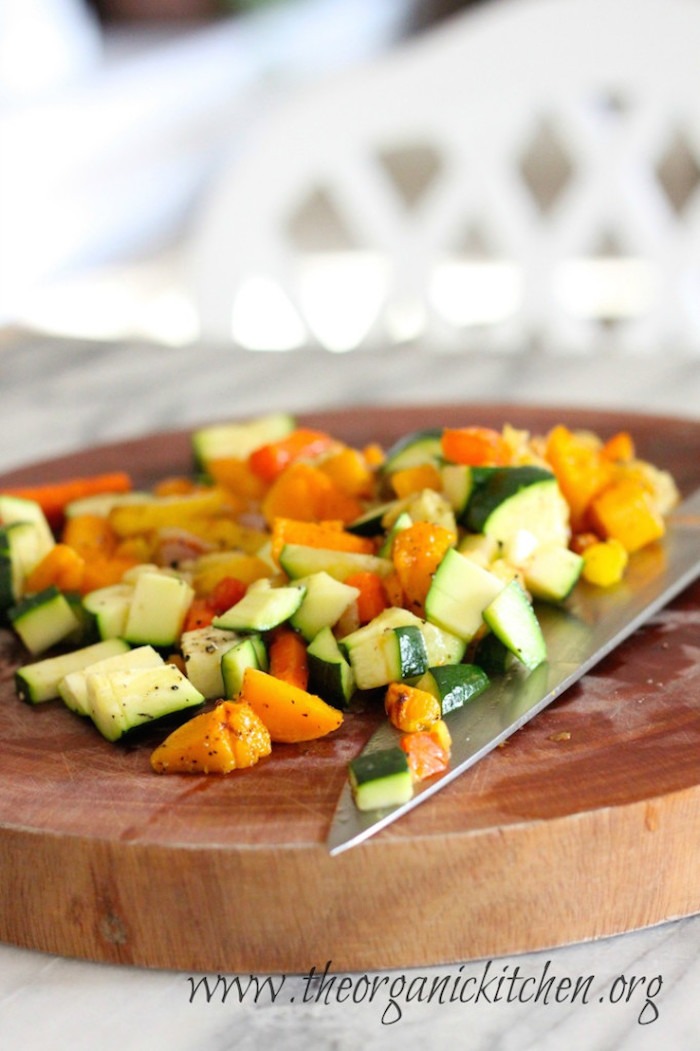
(58, 396)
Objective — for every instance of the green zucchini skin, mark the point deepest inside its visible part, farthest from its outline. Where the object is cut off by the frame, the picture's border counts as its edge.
(122, 701)
(300, 560)
(492, 655)
(419, 447)
(454, 685)
(249, 652)
(512, 618)
(494, 486)
(238, 439)
(385, 653)
(370, 523)
(202, 650)
(330, 674)
(380, 779)
(44, 619)
(459, 593)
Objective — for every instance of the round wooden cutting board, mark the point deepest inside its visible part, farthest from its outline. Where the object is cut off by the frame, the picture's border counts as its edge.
(584, 824)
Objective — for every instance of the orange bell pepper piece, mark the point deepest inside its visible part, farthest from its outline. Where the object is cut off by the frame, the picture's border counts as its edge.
(372, 598)
(305, 493)
(427, 751)
(619, 448)
(199, 615)
(475, 446)
(268, 461)
(90, 535)
(410, 709)
(230, 737)
(61, 566)
(290, 713)
(411, 480)
(237, 476)
(102, 572)
(416, 553)
(326, 534)
(226, 593)
(349, 470)
(579, 468)
(287, 656)
(624, 511)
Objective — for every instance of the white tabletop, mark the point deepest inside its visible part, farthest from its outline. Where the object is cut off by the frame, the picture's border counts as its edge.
(636, 990)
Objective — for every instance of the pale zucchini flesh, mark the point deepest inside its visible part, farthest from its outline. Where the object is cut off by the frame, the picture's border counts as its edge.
(73, 687)
(39, 681)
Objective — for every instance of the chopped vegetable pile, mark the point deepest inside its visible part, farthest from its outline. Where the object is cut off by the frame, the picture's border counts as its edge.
(256, 599)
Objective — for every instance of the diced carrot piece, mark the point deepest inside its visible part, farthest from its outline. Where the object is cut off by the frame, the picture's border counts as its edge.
(230, 737)
(475, 446)
(287, 656)
(373, 597)
(269, 461)
(410, 709)
(290, 714)
(54, 497)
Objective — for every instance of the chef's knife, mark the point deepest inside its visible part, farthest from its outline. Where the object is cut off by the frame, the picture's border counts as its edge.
(578, 635)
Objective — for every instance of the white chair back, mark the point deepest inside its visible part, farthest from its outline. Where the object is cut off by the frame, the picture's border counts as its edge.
(526, 174)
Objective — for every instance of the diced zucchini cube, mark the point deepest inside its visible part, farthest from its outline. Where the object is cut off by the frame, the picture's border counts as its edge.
(380, 779)
(158, 609)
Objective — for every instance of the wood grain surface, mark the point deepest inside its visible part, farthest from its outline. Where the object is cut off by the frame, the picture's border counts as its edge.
(584, 824)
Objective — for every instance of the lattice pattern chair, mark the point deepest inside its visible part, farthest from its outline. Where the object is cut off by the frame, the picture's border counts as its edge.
(526, 174)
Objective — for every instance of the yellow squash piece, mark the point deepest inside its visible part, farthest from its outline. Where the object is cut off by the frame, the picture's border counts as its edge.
(605, 562)
(161, 512)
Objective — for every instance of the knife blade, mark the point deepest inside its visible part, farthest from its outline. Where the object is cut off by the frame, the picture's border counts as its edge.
(578, 634)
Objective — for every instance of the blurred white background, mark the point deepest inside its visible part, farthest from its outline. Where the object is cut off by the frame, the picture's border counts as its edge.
(113, 118)
(117, 116)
